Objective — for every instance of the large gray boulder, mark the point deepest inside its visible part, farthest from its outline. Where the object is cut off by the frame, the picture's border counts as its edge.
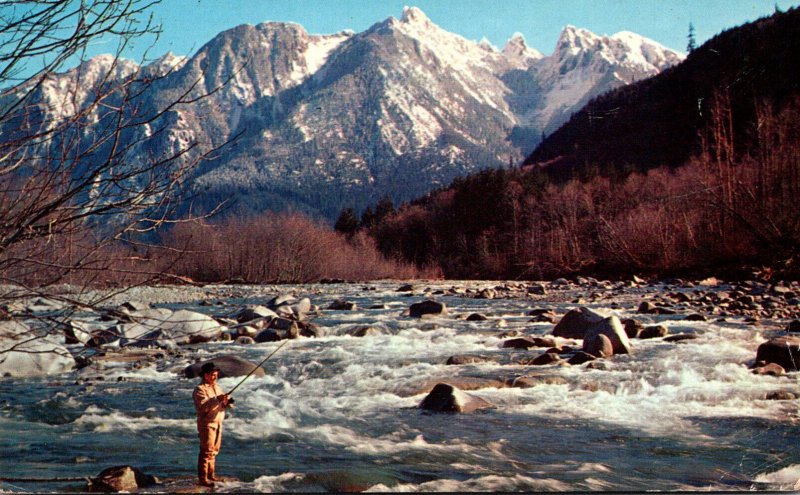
(364, 331)
(576, 322)
(81, 332)
(302, 307)
(599, 345)
(183, 326)
(140, 323)
(784, 351)
(281, 300)
(427, 308)
(288, 306)
(24, 354)
(157, 338)
(447, 398)
(654, 332)
(229, 365)
(119, 479)
(110, 336)
(254, 312)
(612, 328)
(190, 327)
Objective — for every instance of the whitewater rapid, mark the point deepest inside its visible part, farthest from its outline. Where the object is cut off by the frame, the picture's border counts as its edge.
(339, 412)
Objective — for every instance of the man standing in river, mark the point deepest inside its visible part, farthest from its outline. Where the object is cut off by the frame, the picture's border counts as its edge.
(210, 402)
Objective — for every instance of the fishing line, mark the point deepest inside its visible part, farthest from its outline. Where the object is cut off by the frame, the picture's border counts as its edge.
(258, 366)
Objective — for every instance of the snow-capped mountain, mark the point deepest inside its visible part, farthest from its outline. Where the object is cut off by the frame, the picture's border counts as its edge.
(326, 121)
(585, 65)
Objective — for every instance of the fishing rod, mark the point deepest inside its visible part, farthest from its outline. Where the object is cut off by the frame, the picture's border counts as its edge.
(258, 366)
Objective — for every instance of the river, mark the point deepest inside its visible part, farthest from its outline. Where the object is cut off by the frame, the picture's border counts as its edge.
(338, 413)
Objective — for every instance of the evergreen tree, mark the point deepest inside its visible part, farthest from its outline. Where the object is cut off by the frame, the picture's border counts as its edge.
(692, 42)
(368, 218)
(384, 208)
(347, 223)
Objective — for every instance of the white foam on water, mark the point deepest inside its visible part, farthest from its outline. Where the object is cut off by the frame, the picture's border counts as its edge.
(273, 484)
(393, 443)
(787, 478)
(593, 467)
(491, 483)
(148, 373)
(106, 421)
(661, 400)
(421, 344)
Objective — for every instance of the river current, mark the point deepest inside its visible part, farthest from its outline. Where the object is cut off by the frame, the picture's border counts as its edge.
(338, 413)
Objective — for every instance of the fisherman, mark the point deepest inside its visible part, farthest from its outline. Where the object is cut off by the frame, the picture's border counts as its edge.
(210, 402)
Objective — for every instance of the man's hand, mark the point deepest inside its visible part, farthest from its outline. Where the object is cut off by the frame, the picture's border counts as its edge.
(226, 400)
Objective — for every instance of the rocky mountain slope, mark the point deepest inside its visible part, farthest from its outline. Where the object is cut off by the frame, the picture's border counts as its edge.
(326, 121)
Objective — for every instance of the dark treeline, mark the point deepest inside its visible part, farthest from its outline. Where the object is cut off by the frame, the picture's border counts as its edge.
(718, 213)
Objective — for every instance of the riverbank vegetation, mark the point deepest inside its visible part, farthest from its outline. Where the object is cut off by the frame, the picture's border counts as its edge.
(719, 213)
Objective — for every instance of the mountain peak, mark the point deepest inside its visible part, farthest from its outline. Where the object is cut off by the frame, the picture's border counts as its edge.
(636, 40)
(517, 48)
(414, 15)
(575, 39)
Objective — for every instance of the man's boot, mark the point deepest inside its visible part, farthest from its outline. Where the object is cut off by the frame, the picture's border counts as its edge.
(204, 471)
(212, 475)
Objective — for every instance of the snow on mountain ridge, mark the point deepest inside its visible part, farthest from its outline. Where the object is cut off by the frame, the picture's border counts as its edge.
(316, 54)
(641, 50)
(585, 64)
(402, 106)
(518, 51)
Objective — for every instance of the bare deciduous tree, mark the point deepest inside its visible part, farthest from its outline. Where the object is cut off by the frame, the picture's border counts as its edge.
(83, 179)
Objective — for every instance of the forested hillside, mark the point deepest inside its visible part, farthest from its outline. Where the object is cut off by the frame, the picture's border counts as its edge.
(658, 121)
(694, 171)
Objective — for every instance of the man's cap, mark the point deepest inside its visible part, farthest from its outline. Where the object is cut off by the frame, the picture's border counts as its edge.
(208, 368)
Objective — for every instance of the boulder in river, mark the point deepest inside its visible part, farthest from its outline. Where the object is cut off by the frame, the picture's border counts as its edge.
(654, 332)
(771, 369)
(364, 331)
(80, 332)
(612, 328)
(427, 307)
(466, 359)
(342, 305)
(31, 355)
(190, 327)
(229, 365)
(121, 479)
(543, 359)
(268, 335)
(576, 322)
(288, 306)
(581, 357)
(518, 343)
(598, 345)
(476, 317)
(183, 326)
(157, 338)
(784, 351)
(632, 327)
(254, 312)
(447, 398)
(308, 329)
(680, 337)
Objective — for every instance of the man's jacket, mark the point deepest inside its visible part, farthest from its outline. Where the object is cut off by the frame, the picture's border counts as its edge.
(209, 407)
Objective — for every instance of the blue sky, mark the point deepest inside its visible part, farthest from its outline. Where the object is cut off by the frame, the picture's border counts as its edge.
(188, 24)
